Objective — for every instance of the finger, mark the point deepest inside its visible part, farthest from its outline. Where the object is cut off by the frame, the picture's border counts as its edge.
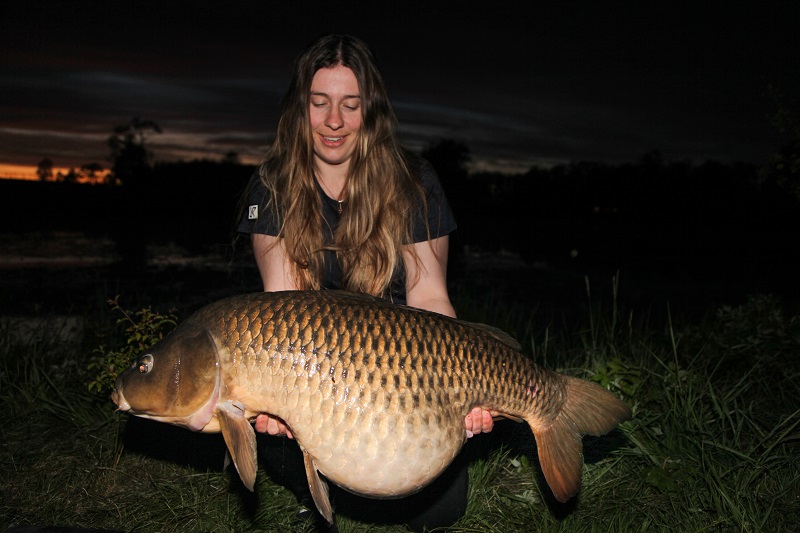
(477, 420)
(469, 421)
(261, 423)
(487, 422)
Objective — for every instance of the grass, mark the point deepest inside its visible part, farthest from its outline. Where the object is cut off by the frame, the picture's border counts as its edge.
(713, 444)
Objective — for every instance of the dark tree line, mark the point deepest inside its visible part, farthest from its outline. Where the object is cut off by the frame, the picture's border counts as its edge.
(711, 220)
(650, 214)
(87, 173)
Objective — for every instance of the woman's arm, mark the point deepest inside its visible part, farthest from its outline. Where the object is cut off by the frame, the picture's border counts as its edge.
(426, 288)
(276, 275)
(273, 263)
(426, 276)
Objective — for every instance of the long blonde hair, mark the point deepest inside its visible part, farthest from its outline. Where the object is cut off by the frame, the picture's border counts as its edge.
(384, 194)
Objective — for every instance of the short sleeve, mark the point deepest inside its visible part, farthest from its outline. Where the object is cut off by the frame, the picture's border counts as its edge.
(257, 214)
(441, 220)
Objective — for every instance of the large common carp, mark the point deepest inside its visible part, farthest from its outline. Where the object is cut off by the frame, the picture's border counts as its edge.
(375, 393)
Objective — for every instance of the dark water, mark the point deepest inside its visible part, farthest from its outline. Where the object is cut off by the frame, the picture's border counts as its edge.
(68, 273)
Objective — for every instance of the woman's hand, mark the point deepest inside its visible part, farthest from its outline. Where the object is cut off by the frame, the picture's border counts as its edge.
(273, 426)
(479, 421)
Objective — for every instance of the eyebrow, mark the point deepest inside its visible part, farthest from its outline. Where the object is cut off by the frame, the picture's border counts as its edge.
(345, 97)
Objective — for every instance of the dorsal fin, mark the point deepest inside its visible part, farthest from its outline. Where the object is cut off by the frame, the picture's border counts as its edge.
(497, 333)
(356, 296)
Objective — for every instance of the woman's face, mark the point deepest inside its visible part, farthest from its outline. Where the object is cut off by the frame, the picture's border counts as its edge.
(335, 115)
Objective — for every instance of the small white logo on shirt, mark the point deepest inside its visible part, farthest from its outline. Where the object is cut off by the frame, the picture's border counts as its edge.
(252, 212)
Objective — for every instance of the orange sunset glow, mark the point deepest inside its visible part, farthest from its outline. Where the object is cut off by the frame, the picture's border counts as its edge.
(27, 172)
(22, 172)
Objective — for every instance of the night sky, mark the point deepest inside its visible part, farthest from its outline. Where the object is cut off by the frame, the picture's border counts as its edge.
(520, 85)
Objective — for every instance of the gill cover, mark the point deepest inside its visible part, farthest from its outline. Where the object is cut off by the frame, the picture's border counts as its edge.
(174, 379)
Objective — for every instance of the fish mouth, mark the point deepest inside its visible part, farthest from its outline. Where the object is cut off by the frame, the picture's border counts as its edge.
(119, 399)
(201, 420)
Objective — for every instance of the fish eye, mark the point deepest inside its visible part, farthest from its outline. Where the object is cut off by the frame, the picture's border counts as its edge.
(145, 363)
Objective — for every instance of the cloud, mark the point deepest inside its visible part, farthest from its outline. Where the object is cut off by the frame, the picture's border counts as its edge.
(518, 83)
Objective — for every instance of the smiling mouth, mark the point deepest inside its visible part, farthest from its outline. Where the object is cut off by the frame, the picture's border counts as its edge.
(333, 142)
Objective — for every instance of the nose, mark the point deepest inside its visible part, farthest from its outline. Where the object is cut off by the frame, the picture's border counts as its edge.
(334, 118)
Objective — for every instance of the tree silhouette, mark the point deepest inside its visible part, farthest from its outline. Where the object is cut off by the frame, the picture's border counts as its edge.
(90, 172)
(70, 177)
(450, 159)
(131, 167)
(784, 167)
(45, 169)
(130, 156)
(231, 158)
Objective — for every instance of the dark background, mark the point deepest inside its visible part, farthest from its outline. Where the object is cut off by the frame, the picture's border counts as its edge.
(521, 83)
(693, 236)
(575, 141)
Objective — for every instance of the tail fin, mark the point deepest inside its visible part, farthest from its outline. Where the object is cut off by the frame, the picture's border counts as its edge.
(588, 410)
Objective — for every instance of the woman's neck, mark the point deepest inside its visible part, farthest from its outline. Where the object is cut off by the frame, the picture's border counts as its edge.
(332, 180)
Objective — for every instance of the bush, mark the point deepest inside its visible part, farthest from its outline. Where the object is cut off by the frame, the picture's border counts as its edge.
(143, 329)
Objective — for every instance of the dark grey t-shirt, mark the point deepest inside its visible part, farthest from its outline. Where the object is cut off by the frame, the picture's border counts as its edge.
(259, 218)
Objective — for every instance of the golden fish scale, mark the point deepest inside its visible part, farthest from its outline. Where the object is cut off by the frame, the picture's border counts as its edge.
(377, 394)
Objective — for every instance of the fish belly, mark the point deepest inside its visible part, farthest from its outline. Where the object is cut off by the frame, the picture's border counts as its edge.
(382, 453)
(364, 434)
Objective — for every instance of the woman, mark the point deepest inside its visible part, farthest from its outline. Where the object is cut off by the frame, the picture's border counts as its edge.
(338, 204)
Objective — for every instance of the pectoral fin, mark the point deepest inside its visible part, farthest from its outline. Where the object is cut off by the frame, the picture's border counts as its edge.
(241, 441)
(319, 489)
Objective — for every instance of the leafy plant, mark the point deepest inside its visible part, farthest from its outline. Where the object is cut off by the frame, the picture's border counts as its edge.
(143, 329)
(759, 328)
(615, 374)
